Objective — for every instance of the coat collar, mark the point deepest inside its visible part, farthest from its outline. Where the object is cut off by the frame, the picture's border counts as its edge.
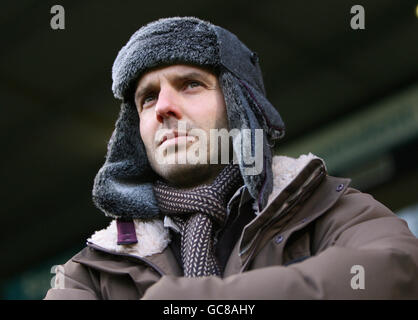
(153, 235)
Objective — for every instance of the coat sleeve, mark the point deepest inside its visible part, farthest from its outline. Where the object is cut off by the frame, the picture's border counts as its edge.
(360, 239)
(73, 281)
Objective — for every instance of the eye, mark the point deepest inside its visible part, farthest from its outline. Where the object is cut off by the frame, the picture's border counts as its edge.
(148, 99)
(193, 84)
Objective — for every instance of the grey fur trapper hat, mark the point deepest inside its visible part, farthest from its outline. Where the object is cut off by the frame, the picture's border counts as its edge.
(123, 186)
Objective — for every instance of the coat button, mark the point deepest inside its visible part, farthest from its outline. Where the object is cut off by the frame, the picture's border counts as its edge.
(340, 187)
(278, 239)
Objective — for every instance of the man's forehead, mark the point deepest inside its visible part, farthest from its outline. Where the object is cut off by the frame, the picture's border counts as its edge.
(173, 70)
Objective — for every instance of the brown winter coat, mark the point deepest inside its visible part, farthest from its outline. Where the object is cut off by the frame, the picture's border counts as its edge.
(306, 244)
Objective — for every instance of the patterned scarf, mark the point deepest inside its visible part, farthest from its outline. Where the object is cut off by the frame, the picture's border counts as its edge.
(199, 212)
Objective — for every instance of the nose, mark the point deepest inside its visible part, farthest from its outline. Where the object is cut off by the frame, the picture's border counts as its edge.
(168, 104)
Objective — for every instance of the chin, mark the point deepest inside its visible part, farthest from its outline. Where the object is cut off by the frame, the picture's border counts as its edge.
(184, 174)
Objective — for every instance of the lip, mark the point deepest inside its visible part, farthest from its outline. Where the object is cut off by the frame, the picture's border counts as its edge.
(173, 135)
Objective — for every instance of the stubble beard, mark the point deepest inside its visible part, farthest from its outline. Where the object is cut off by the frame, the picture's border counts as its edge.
(188, 174)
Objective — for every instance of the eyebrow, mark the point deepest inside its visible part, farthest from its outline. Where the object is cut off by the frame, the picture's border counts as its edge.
(176, 77)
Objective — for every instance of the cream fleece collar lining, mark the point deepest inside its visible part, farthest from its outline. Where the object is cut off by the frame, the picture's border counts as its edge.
(153, 236)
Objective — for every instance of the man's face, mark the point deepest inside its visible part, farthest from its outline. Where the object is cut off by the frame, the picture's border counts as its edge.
(175, 100)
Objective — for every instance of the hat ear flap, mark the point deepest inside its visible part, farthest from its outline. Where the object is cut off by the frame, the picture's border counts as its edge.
(251, 148)
(125, 143)
(123, 186)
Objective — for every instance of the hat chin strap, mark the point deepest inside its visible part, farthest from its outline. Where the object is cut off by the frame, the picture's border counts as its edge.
(126, 231)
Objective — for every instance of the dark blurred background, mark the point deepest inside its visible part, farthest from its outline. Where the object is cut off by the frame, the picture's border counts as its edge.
(349, 96)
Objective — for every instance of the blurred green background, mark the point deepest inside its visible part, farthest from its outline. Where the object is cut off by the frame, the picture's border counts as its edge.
(349, 96)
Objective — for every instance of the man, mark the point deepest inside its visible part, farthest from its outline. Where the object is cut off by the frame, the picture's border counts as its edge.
(274, 228)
